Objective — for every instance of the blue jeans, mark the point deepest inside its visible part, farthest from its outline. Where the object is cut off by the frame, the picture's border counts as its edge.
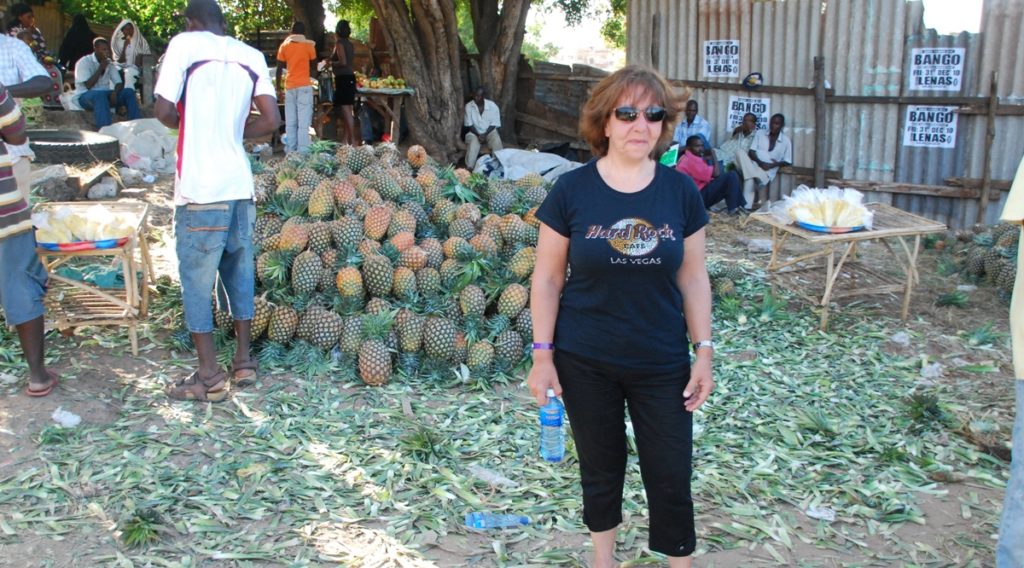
(23, 279)
(298, 116)
(98, 101)
(1010, 551)
(215, 239)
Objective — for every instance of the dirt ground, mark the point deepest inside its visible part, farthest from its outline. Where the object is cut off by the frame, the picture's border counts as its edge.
(961, 519)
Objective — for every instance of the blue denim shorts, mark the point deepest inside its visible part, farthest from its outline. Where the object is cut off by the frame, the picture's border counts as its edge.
(215, 240)
(22, 280)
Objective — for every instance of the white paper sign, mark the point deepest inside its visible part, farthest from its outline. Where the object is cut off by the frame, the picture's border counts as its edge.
(722, 58)
(936, 68)
(739, 106)
(930, 126)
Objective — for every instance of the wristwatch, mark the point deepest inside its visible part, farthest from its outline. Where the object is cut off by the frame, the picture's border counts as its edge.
(704, 343)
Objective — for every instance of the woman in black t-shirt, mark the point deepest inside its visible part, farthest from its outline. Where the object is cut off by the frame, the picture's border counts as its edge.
(344, 82)
(615, 331)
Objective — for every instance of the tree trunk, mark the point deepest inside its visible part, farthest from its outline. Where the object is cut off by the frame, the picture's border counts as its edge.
(424, 40)
(311, 13)
(499, 37)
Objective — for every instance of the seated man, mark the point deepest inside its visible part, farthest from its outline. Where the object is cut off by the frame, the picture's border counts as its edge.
(740, 141)
(483, 119)
(98, 86)
(693, 125)
(767, 154)
(705, 171)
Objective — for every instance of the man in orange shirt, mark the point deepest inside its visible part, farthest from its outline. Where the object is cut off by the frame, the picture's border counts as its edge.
(299, 54)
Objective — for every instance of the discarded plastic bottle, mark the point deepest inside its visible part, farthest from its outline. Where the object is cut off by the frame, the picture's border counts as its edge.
(485, 520)
(552, 436)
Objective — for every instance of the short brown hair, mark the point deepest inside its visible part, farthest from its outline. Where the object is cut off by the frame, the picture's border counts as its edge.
(598, 108)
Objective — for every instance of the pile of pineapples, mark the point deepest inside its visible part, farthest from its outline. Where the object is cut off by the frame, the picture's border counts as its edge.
(397, 264)
(724, 276)
(992, 254)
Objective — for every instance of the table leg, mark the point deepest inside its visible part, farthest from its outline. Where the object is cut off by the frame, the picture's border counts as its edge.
(396, 118)
(911, 276)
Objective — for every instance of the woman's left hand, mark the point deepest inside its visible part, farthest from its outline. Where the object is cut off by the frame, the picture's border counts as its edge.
(701, 384)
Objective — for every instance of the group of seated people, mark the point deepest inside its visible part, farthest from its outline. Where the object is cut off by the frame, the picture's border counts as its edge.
(104, 70)
(741, 168)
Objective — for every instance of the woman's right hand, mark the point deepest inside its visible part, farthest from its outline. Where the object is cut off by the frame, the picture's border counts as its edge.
(543, 376)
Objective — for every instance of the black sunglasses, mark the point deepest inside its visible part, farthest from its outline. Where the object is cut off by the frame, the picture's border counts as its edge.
(629, 114)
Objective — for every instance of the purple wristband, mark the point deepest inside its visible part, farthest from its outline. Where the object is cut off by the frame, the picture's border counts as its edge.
(548, 346)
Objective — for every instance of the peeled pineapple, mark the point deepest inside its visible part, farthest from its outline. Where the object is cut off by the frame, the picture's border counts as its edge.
(67, 225)
(832, 207)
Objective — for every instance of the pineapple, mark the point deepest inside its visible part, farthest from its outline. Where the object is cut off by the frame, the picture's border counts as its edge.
(480, 358)
(417, 156)
(283, 321)
(308, 177)
(439, 338)
(285, 187)
(484, 244)
(370, 196)
(732, 271)
(443, 212)
(524, 324)
(378, 275)
(993, 263)
(725, 288)
(468, 211)
(428, 281)
(1007, 276)
(435, 252)
(473, 302)
(294, 238)
(413, 257)
(530, 218)
(343, 193)
(388, 187)
(368, 247)
(306, 272)
(521, 264)
(360, 158)
(402, 221)
(327, 327)
(508, 348)
(450, 271)
(378, 306)
(503, 201)
(260, 318)
(346, 232)
(319, 237)
(532, 179)
(223, 320)
(267, 224)
(463, 228)
(273, 268)
(321, 202)
(410, 189)
(457, 248)
(374, 362)
(351, 335)
(535, 195)
(463, 175)
(402, 241)
(514, 229)
(375, 225)
(404, 286)
(512, 300)
(349, 282)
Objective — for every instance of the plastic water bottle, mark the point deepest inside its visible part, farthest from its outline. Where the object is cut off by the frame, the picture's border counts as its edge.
(485, 520)
(552, 436)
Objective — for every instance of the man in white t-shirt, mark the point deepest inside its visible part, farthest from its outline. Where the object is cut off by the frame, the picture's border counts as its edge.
(483, 119)
(208, 83)
(769, 152)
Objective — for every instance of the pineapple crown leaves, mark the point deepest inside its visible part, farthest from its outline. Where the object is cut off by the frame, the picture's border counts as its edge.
(323, 147)
(377, 326)
(390, 252)
(255, 165)
(460, 193)
(307, 360)
(271, 354)
(143, 527)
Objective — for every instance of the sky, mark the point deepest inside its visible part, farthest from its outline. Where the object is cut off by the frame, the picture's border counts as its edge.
(953, 16)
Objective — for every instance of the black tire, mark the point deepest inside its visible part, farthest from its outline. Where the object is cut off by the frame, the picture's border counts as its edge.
(73, 146)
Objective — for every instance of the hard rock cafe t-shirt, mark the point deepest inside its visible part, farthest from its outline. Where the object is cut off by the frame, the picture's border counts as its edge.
(621, 303)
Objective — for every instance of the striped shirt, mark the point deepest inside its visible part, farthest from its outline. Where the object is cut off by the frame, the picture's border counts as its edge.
(17, 65)
(15, 215)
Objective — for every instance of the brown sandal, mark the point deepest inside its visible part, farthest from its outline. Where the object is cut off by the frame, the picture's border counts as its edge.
(214, 389)
(244, 374)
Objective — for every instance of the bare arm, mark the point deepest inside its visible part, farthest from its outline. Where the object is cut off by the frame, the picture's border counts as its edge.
(545, 292)
(268, 119)
(692, 279)
(34, 87)
(166, 112)
(277, 77)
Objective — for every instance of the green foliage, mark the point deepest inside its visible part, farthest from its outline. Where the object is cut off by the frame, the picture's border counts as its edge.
(532, 47)
(613, 30)
(956, 299)
(159, 21)
(357, 12)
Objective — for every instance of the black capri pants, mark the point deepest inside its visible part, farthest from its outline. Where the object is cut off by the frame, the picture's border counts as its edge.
(595, 395)
(344, 90)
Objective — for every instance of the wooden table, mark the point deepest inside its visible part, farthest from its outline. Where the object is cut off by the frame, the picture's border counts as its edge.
(889, 224)
(391, 101)
(72, 303)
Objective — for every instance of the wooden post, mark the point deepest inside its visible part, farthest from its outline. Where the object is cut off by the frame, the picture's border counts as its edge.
(819, 122)
(990, 135)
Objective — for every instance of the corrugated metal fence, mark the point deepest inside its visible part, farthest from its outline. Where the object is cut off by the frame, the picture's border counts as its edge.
(867, 46)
